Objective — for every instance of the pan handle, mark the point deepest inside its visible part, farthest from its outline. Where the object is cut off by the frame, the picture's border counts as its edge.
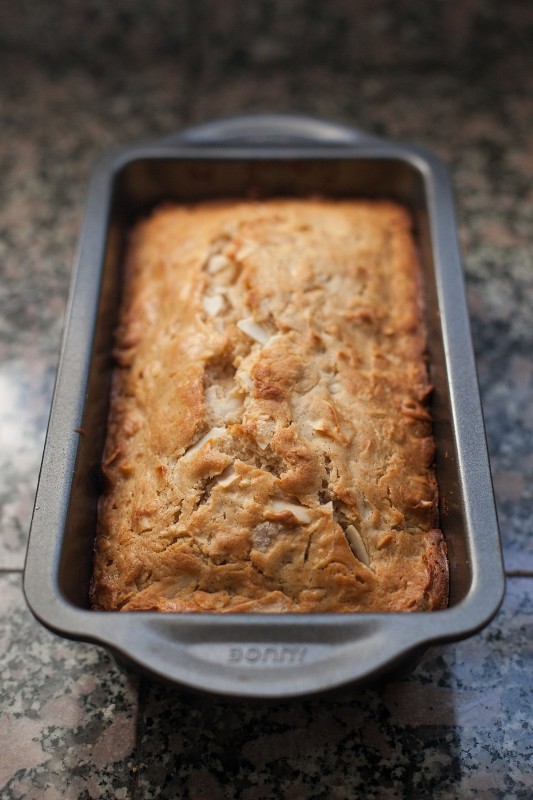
(266, 658)
(259, 130)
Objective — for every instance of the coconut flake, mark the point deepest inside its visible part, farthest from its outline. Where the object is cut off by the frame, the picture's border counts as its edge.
(357, 545)
(213, 304)
(264, 430)
(324, 427)
(227, 477)
(214, 433)
(254, 330)
(246, 249)
(300, 512)
(217, 263)
(245, 379)
(221, 404)
(321, 425)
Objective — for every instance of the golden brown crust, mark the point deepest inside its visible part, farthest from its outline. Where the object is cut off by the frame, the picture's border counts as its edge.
(269, 444)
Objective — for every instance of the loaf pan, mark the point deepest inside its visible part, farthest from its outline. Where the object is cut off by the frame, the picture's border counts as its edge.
(272, 655)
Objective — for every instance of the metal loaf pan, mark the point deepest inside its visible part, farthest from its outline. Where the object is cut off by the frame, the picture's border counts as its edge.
(260, 655)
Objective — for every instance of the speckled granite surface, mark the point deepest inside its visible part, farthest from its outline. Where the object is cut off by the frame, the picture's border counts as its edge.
(81, 77)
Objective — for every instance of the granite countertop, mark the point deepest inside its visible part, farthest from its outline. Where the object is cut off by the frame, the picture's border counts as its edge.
(80, 78)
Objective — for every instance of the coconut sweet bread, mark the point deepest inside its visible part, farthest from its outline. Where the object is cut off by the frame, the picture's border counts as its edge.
(269, 443)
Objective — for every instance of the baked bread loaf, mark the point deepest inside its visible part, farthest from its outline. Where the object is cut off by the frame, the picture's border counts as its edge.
(269, 444)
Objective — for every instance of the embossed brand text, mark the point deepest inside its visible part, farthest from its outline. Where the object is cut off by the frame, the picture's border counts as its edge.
(270, 654)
